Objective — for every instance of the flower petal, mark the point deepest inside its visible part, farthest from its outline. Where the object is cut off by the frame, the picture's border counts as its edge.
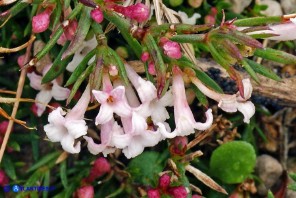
(247, 109)
(55, 133)
(105, 114)
(68, 144)
(100, 96)
(43, 98)
(56, 117)
(134, 149)
(207, 124)
(59, 93)
(35, 80)
(228, 103)
(93, 147)
(76, 128)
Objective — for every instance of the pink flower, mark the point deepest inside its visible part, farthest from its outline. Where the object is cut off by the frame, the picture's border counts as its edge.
(145, 89)
(185, 122)
(164, 181)
(85, 192)
(72, 126)
(112, 101)
(172, 49)
(69, 32)
(97, 15)
(40, 22)
(231, 103)
(136, 136)
(106, 145)
(282, 31)
(151, 68)
(47, 91)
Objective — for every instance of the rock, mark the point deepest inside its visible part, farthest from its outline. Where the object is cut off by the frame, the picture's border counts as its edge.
(269, 170)
(238, 6)
(274, 8)
(289, 6)
(291, 194)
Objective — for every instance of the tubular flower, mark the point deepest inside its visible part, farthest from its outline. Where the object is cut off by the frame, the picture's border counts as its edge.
(67, 129)
(112, 101)
(185, 122)
(231, 103)
(136, 136)
(106, 146)
(145, 89)
(282, 31)
(47, 91)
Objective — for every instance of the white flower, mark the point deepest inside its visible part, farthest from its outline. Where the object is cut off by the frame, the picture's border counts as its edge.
(47, 91)
(72, 126)
(185, 19)
(231, 103)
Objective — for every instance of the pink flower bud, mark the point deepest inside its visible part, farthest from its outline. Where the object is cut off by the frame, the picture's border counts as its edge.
(97, 15)
(151, 68)
(138, 12)
(164, 181)
(145, 56)
(178, 192)
(100, 167)
(153, 193)
(3, 178)
(20, 60)
(41, 21)
(172, 49)
(3, 127)
(85, 192)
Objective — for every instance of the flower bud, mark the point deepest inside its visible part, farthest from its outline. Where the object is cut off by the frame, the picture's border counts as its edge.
(172, 49)
(85, 192)
(164, 181)
(97, 15)
(145, 56)
(178, 192)
(153, 193)
(179, 145)
(100, 167)
(3, 127)
(138, 12)
(41, 21)
(3, 178)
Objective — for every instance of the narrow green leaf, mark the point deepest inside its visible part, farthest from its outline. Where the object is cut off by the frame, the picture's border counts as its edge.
(217, 57)
(276, 55)
(293, 176)
(83, 27)
(57, 13)
(250, 71)
(260, 69)
(123, 26)
(8, 167)
(35, 178)
(14, 10)
(46, 182)
(200, 96)
(63, 174)
(14, 145)
(80, 67)
(292, 186)
(188, 38)
(258, 21)
(261, 133)
(208, 80)
(44, 161)
(58, 66)
(78, 82)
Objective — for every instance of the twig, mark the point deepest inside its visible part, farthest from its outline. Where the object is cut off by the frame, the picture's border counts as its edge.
(19, 91)
(16, 49)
